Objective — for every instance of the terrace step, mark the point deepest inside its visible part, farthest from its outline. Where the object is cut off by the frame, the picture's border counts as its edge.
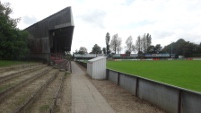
(46, 102)
(20, 72)
(16, 67)
(9, 87)
(23, 93)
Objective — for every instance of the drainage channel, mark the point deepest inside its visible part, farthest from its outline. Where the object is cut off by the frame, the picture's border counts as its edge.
(20, 96)
(47, 101)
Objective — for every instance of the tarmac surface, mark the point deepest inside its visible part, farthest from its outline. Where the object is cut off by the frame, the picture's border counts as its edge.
(85, 97)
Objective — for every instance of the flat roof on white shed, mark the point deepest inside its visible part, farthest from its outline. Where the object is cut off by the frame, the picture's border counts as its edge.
(97, 58)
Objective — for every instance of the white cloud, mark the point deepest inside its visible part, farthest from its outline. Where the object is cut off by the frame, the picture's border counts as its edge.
(165, 20)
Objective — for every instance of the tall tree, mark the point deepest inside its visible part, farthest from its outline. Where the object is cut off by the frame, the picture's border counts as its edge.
(96, 49)
(13, 42)
(104, 50)
(82, 50)
(146, 42)
(107, 40)
(151, 49)
(158, 48)
(129, 45)
(138, 44)
(115, 43)
(119, 48)
(182, 47)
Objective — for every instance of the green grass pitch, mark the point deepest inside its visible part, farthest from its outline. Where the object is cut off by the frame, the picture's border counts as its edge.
(182, 73)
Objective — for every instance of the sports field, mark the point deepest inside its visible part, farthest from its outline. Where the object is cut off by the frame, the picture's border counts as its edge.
(182, 73)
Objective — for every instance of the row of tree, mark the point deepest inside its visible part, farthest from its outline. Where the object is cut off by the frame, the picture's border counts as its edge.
(182, 47)
(114, 45)
(143, 46)
(13, 42)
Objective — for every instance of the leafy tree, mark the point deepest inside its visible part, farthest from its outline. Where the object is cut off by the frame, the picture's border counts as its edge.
(82, 50)
(13, 42)
(107, 40)
(104, 50)
(119, 48)
(127, 52)
(151, 49)
(181, 47)
(154, 49)
(96, 49)
(146, 42)
(76, 52)
(158, 48)
(129, 45)
(138, 45)
(115, 43)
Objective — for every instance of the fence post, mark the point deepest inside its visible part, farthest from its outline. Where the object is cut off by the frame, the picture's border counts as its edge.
(118, 79)
(137, 85)
(179, 101)
(107, 74)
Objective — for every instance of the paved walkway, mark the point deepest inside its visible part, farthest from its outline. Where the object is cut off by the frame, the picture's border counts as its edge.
(85, 97)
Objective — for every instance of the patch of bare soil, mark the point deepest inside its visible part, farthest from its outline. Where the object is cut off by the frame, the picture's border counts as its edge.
(123, 101)
(65, 102)
(20, 96)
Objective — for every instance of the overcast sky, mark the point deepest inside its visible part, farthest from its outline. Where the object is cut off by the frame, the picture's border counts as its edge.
(165, 20)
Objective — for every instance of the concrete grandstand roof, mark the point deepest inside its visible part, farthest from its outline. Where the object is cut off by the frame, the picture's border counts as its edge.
(43, 32)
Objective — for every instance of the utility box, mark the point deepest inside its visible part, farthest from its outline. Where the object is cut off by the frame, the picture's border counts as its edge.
(96, 67)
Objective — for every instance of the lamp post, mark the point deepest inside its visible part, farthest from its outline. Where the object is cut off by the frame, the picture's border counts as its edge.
(171, 49)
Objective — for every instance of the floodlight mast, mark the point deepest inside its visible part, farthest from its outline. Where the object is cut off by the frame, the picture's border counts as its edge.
(171, 50)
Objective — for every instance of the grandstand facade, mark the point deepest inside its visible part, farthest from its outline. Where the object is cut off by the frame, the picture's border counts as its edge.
(52, 35)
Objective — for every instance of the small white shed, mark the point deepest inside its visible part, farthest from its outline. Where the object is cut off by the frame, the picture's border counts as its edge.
(96, 67)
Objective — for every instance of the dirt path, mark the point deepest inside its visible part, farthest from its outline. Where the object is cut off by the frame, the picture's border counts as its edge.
(44, 102)
(64, 105)
(17, 98)
(121, 100)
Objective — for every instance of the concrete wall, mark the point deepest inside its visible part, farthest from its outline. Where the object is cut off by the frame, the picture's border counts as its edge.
(113, 76)
(163, 96)
(170, 98)
(190, 102)
(128, 83)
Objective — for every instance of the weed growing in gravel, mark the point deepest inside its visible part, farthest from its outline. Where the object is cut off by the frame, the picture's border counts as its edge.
(4, 87)
(43, 108)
